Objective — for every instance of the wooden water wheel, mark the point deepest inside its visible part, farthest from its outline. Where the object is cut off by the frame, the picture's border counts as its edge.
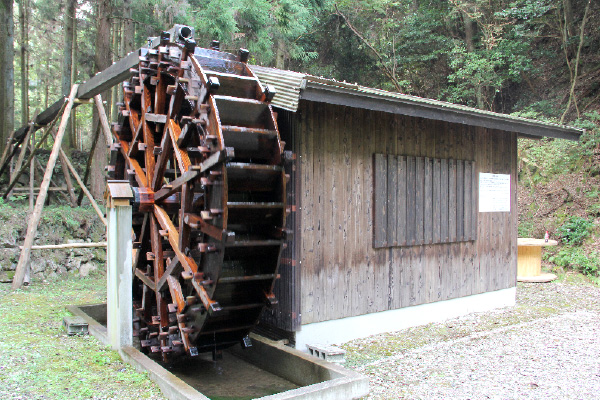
(199, 144)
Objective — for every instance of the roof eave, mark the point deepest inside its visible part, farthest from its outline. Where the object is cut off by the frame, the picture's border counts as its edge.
(339, 95)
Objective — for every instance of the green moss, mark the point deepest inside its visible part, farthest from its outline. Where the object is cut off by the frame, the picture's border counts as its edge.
(40, 361)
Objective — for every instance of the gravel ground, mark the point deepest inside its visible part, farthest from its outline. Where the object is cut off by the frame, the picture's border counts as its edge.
(546, 347)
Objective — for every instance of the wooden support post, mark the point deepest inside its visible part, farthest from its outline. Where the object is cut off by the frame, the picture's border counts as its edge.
(68, 246)
(89, 164)
(70, 167)
(87, 192)
(119, 264)
(37, 147)
(32, 176)
(39, 204)
(22, 152)
(7, 148)
(103, 120)
(63, 165)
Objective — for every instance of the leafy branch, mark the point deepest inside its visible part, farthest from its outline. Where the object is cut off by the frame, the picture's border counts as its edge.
(384, 68)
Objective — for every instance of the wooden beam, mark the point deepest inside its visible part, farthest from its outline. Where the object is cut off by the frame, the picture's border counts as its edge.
(181, 155)
(82, 186)
(63, 165)
(67, 246)
(7, 148)
(51, 113)
(214, 159)
(23, 150)
(137, 255)
(173, 268)
(31, 176)
(196, 222)
(50, 189)
(175, 186)
(39, 204)
(103, 120)
(88, 165)
(111, 76)
(176, 293)
(163, 158)
(157, 249)
(147, 281)
(188, 263)
(156, 118)
(37, 147)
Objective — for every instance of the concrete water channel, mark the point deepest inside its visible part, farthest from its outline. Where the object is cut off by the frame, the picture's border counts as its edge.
(267, 370)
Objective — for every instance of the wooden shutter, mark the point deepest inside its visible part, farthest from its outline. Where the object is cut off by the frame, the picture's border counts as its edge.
(421, 200)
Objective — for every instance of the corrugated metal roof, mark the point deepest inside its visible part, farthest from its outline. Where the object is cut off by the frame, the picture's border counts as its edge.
(287, 84)
(293, 86)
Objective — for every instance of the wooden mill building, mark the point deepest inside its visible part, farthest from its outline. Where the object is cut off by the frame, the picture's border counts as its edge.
(404, 209)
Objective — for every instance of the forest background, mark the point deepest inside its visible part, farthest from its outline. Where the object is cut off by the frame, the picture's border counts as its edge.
(533, 58)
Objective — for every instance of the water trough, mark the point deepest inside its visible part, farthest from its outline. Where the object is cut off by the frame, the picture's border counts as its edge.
(267, 370)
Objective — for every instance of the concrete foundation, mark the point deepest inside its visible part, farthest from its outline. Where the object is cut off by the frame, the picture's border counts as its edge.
(305, 377)
(346, 329)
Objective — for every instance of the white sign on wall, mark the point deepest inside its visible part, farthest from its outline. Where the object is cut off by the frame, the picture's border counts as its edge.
(494, 192)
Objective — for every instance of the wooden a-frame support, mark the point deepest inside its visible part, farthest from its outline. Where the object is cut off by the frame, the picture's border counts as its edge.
(57, 151)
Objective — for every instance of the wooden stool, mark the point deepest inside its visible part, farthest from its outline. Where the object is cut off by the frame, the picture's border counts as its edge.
(529, 260)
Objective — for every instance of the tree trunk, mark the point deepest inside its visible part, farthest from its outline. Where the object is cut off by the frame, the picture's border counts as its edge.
(128, 31)
(102, 61)
(469, 34)
(24, 23)
(67, 63)
(127, 45)
(7, 72)
(568, 14)
(280, 55)
(73, 132)
(116, 56)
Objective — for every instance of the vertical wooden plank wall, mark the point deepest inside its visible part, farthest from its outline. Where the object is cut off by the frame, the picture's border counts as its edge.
(286, 316)
(342, 274)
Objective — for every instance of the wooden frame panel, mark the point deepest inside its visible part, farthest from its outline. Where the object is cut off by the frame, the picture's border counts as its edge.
(431, 203)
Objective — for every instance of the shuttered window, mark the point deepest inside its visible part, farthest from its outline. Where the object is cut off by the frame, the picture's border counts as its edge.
(420, 200)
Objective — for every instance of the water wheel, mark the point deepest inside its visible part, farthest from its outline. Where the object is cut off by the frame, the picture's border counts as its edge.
(199, 143)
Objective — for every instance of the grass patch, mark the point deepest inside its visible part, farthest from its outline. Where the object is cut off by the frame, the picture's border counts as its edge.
(38, 360)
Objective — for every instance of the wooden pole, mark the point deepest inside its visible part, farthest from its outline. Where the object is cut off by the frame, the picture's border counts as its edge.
(37, 189)
(103, 120)
(23, 151)
(67, 246)
(39, 204)
(87, 192)
(7, 148)
(63, 164)
(32, 176)
(37, 147)
(88, 165)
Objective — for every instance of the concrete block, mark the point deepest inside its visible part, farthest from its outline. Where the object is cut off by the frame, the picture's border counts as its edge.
(75, 325)
(327, 352)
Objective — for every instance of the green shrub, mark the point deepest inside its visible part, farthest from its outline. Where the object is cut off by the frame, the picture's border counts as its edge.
(575, 230)
(576, 259)
(525, 229)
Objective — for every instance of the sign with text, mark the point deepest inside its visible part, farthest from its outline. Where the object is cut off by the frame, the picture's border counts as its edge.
(494, 192)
